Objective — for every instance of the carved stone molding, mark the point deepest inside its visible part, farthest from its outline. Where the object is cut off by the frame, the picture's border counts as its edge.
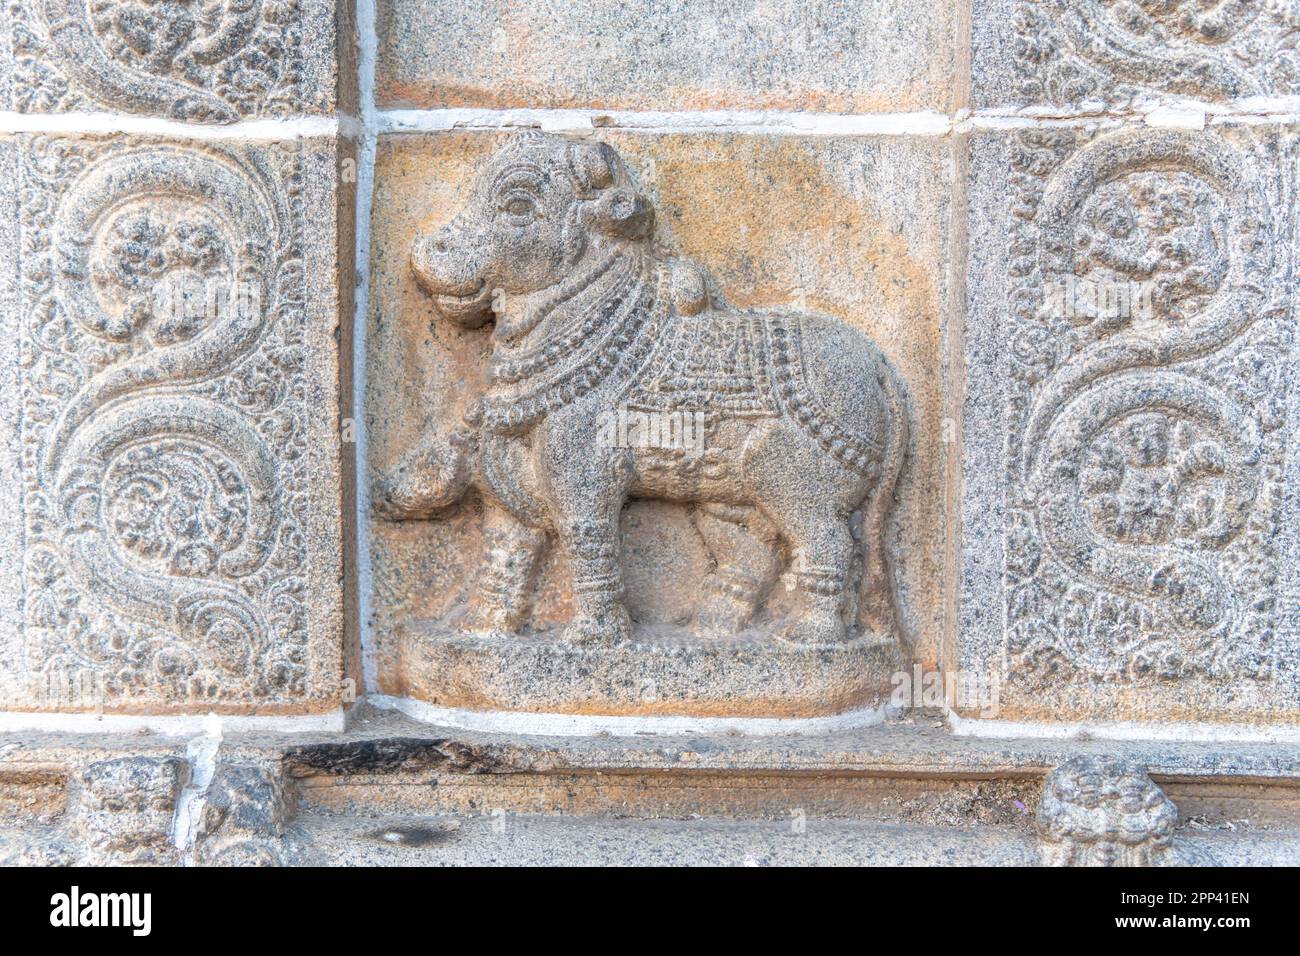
(211, 61)
(1072, 51)
(1103, 811)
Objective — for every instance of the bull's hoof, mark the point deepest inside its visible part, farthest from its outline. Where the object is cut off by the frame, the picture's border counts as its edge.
(609, 628)
(816, 628)
(492, 619)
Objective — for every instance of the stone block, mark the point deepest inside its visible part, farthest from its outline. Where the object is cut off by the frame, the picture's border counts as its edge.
(127, 808)
(854, 228)
(1097, 54)
(243, 815)
(173, 529)
(876, 55)
(212, 63)
(1128, 462)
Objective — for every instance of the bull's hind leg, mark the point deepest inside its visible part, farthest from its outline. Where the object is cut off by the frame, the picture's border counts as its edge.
(808, 496)
(823, 548)
(822, 558)
(744, 549)
(504, 595)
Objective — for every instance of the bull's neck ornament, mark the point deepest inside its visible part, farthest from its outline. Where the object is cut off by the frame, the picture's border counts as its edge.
(601, 319)
(804, 425)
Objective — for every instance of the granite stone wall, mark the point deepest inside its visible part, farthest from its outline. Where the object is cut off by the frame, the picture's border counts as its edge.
(176, 299)
(1060, 235)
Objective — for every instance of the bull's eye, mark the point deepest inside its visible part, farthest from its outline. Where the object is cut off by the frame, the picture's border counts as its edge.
(519, 207)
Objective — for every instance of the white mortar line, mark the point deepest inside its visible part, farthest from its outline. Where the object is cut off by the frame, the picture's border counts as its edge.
(305, 127)
(350, 126)
(1252, 110)
(202, 755)
(1189, 732)
(584, 725)
(1178, 112)
(923, 123)
(176, 725)
(367, 47)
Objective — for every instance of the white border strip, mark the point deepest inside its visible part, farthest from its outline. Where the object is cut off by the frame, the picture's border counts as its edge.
(304, 127)
(584, 725)
(1179, 113)
(367, 47)
(1198, 733)
(923, 123)
(172, 725)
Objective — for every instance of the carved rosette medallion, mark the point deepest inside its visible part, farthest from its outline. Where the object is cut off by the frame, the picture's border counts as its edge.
(163, 421)
(1118, 50)
(1148, 344)
(207, 60)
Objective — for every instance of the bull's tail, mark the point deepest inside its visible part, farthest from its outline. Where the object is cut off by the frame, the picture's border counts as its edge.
(878, 600)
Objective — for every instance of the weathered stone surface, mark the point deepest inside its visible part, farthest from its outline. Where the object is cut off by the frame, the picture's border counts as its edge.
(242, 820)
(1128, 433)
(658, 674)
(718, 202)
(171, 430)
(126, 810)
(390, 790)
(216, 62)
(1100, 53)
(1102, 811)
(1015, 403)
(882, 55)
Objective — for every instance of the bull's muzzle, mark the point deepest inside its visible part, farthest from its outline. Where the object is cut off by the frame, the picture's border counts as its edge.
(448, 265)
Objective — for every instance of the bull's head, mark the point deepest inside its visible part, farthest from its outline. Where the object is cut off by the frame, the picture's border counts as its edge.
(541, 205)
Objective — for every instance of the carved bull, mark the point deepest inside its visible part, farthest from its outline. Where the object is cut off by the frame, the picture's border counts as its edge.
(618, 373)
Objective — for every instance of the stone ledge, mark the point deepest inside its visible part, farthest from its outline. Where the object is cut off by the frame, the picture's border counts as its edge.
(377, 742)
(673, 675)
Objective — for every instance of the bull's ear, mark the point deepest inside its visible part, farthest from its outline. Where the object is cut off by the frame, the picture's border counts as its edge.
(624, 212)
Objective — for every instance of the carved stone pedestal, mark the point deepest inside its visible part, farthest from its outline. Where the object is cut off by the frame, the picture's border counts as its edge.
(665, 673)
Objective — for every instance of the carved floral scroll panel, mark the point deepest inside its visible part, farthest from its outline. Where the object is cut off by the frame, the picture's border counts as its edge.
(167, 406)
(215, 61)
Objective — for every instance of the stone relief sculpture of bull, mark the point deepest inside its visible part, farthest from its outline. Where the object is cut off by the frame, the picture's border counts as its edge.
(782, 427)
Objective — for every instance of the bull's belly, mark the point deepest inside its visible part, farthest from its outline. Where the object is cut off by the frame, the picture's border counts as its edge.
(704, 465)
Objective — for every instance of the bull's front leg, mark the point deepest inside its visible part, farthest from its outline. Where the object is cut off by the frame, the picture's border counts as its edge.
(504, 594)
(588, 486)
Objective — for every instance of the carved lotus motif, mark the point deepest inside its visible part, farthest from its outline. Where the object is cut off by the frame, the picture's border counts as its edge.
(177, 505)
(165, 276)
(1159, 239)
(1151, 481)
